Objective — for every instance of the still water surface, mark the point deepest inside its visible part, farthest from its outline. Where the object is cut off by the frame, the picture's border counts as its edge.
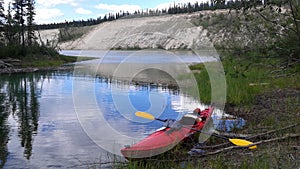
(145, 56)
(39, 127)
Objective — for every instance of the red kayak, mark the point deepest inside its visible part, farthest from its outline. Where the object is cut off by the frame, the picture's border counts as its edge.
(165, 139)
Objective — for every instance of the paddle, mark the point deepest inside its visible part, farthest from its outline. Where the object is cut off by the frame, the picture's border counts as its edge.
(235, 141)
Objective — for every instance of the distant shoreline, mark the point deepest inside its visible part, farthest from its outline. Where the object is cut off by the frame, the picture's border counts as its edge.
(34, 69)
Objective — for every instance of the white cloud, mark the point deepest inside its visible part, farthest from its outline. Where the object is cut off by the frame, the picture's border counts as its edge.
(52, 3)
(118, 8)
(6, 2)
(163, 5)
(83, 11)
(47, 15)
(47, 12)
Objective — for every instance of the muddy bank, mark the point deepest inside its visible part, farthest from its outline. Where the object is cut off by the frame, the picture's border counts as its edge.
(278, 100)
(271, 122)
(11, 66)
(13, 70)
(279, 107)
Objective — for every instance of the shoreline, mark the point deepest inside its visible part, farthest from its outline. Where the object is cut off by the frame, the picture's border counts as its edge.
(34, 69)
(105, 71)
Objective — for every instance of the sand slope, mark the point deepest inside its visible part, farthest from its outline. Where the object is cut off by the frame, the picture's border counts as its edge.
(168, 32)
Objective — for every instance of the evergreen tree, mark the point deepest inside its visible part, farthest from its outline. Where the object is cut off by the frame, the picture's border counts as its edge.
(2, 21)
(30, 21)
(2, 15)
(18, 7)
(10, 30)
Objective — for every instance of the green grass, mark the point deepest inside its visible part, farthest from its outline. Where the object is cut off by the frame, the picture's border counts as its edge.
(245, 79)
(135, 47)
(50, 61)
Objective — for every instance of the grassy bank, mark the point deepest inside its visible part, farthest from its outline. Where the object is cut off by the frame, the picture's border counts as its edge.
(35, 56)
(247, 78)
(53, 61)
(41, 61)
(272, 102)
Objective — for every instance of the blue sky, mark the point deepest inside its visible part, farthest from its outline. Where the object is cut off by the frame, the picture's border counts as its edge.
(49, 11)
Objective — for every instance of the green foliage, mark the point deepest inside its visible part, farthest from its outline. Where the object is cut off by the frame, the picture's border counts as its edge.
(46, 61)
(19, 51)
(71, 33)
(135, 47)
(13, 51)
(17, 30)
(245, 78)
(264, 30)
(204, 86)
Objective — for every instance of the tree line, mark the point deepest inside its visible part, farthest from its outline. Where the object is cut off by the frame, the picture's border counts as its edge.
(88, 22)
(18, 31)
(17, 26)
(173, 9)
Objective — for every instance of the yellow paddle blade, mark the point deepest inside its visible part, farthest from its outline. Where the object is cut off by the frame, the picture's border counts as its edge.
(240, 142)
(145, 115)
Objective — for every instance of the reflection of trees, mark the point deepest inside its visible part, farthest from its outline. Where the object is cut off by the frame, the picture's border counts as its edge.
(4, 130)
(20, 100)
(28, 112)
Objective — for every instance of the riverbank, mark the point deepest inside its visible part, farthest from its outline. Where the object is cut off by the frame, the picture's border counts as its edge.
(39, 64)
(266, 103)
(270, 107)
(272, 124)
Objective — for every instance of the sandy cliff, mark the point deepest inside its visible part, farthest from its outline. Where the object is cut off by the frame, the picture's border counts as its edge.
(168, 32)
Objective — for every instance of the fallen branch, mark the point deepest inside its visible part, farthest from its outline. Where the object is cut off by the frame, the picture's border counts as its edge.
(275, 139)
(244, 136)
(256, 143)
(272, 131)
(213, 146)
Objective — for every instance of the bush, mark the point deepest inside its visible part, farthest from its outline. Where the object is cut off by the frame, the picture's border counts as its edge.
(71, 33)
(19, 51)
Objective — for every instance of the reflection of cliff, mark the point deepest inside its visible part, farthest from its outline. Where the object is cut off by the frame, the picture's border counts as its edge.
(19, 100)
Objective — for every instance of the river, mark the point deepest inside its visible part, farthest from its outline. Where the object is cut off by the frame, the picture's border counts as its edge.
(63, 119)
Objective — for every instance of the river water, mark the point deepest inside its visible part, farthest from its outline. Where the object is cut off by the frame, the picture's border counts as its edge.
(46, 119)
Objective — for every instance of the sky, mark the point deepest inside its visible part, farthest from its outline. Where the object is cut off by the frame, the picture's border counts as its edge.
(50, 11)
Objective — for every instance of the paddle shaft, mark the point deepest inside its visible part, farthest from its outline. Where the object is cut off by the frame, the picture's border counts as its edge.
(160, 120)
(222, 137)
(237, 142)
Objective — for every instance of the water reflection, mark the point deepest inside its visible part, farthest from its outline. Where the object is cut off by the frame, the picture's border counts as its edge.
(19, 99)
(4, 130)
(39, 126)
